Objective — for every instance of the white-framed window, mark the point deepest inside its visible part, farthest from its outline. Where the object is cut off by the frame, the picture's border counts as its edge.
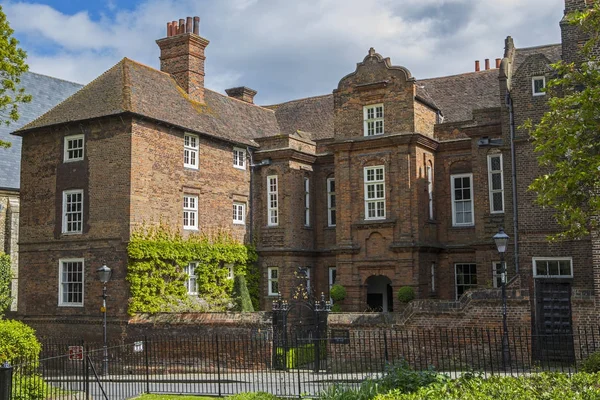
(306, 202)
(552, 267)
(239, 213)
(74, 148)
(332, 276)
(239, 158)
(496, 183)
(190, 151)
(273, 201)
(375, 192)
(373, 119)
(331, 214)
(499, 274)
(190, 212)
(191, 283)
(430, 191)
(72, 211)
(230, 270)
(273, 281)
(70, 286)
(462, 200)
(466, 278)
(432, 277)
(538, 84)
(307, 279)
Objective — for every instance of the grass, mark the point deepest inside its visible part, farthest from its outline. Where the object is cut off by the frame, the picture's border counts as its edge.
(174, 397)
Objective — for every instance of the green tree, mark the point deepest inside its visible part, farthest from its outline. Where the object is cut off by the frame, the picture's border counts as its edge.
(12, 65)
(241, 295)
(5, 282)
(567, 139)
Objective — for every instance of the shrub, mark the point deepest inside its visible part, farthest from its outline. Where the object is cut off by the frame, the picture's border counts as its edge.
(406, 294)
(18, 343)
(253, 396)
(592, 363)
(241, 295)
(336, 308)
(30, 387)
(337, 292)
(5, 281)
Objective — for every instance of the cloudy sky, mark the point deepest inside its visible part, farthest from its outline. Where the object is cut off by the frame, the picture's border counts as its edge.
(284, 49)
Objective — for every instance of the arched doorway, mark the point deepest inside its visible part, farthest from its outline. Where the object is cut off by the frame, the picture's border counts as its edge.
(379, 293)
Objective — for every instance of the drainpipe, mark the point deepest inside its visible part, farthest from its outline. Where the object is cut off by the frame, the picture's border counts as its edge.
(250, 200)
(513, 162)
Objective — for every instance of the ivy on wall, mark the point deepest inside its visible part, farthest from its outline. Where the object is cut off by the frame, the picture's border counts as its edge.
(156, 273)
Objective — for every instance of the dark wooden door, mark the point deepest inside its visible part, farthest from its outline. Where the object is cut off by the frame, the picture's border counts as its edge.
(553, 338)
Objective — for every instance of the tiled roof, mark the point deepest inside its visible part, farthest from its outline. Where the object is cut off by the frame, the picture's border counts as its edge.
(458, 95)
(132, 87)
(313, 115)
(552, 51)
(46, 92)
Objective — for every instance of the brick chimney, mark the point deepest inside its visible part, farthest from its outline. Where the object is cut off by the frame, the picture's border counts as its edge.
(182, 56)
(242, 93)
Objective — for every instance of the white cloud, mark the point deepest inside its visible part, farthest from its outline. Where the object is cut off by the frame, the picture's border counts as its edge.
(284, 49)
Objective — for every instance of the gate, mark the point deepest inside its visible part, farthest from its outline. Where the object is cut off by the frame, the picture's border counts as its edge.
(300, 333)
(554, 330)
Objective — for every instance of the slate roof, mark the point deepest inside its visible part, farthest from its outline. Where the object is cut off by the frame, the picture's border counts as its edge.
(133, 87)
(552, 51)
(46, 92)
(313, 115)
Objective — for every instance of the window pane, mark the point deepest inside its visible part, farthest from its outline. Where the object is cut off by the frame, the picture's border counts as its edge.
(565, 268)
(497, 201)
(496, 181)
(553, 268)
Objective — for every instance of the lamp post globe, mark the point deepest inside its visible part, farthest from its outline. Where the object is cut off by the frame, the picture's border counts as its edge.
(501, 240)
(104, 274)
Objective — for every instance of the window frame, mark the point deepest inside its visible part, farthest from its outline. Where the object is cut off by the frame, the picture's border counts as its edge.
(192, 211)
(453, 199)
(497, 277)
(271, 280)
(236, 156)
(535, 260)
(242, 206)
(192, 265)
(188, 150)
(491, 190)
(62, 303)
(374, 120)
(66, 158)
(432, 273)
(272, 196)
(467, 286)
(538, 78)
(230, 270)
(64, 229)
(307, 202)
(331, 205)
(374, 200)
(429, 172)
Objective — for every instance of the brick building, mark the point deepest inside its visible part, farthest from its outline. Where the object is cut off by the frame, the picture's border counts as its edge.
(389, 181)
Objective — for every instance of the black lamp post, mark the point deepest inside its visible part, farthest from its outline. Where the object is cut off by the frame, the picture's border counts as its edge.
(104, 274)
(501, 240)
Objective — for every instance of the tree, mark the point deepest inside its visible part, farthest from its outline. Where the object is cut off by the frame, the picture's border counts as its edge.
(5, 283)
(568, 137)
(12, 65)
(241, 295)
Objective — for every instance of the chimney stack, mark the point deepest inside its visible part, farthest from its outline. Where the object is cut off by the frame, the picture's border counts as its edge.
(487, 64)
(182, 56)
(242, 93)
(498, 61)
(477, 66)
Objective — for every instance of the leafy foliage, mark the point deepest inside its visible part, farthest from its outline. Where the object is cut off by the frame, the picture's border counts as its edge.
(18, 343)
(241, 295)
(406, 294)
(157, 258)
(567, 137)
(12, 65)
(253, 277)
(5, 283)
(30, 387)
(337, 292)
(592, 363)
(253, 396)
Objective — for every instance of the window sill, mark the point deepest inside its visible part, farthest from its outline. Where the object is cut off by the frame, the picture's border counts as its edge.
(72, 161)
(189, 167)
(190, 229)
(239, 167)
(71, 233)
(462, 226)
(71, 305)
(242, 223)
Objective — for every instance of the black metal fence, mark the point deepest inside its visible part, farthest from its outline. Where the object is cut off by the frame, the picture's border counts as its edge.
(224, 365)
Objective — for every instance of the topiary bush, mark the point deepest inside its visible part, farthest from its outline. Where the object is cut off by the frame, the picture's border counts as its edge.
(241, 296)
(337, 292)
(592, 363)
(18, 343)
(336, 308)
(406, 294)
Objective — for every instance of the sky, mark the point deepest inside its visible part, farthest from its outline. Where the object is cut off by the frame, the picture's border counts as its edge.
(284, 49)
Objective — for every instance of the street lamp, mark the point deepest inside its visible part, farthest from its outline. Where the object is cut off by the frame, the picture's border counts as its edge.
(501, 240)
(104, 274)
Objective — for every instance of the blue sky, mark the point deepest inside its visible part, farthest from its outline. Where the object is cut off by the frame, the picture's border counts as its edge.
(283, 49)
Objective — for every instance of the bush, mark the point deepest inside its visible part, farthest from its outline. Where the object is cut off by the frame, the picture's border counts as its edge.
(336, 308)
(30, 387)
(18, 343)
(406, 294)
(337, 292)
(592, 363)
(253, 396)
(241, 295)
(5, 283)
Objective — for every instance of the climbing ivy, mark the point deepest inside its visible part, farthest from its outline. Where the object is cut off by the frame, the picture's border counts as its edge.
(156, 272)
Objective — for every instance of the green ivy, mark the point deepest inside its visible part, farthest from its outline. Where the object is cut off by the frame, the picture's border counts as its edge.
(156, 272)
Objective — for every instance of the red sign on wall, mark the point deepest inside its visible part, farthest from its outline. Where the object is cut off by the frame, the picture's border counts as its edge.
(75, 353)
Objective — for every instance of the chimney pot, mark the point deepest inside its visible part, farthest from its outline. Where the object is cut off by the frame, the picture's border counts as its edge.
(487, 64)
(197, 25)
(168, 29)
(188, 25)
(181, 26)
(242, 93)
(477, 66)
(498, 61)
(173, 28)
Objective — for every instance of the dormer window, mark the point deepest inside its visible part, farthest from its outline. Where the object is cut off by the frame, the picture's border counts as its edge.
(373, 119)
(538, 84)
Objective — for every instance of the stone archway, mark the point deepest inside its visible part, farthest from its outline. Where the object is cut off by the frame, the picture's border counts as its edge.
(379, 293)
